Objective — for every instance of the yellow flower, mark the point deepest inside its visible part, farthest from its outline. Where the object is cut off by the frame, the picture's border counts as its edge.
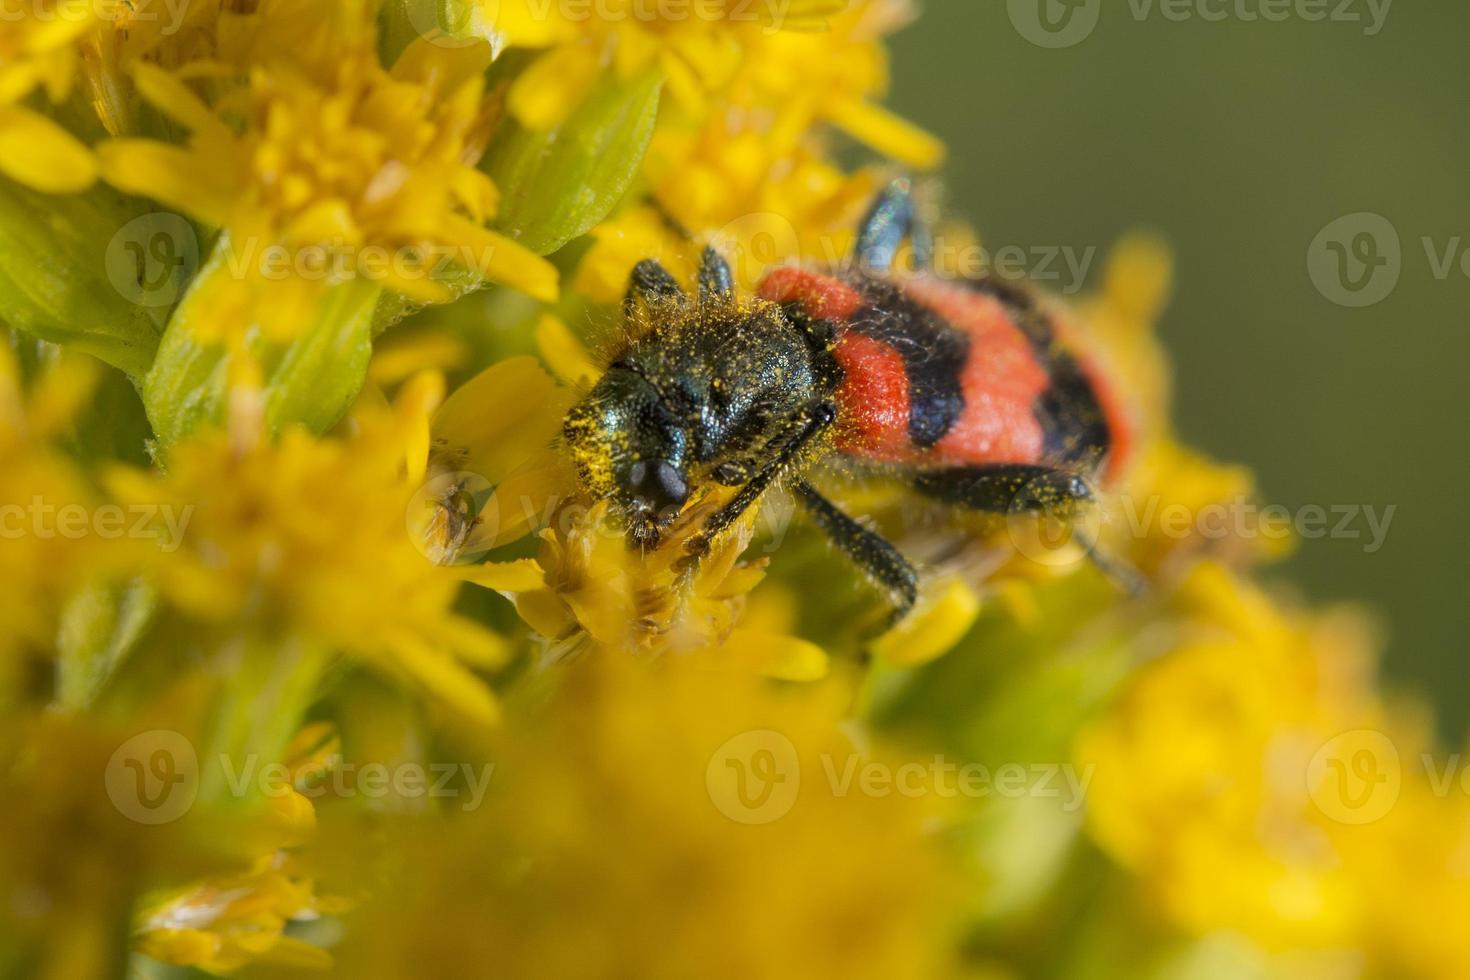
(758, 220)
(1216, 785)
(628, 835)
(228, 921)
(40, 49)
(698, 47)
(799, 81)
(756, 176)
(73, 862)
(622, 242)
(660, 808)
(320, 539)
(1418, 877)
(44, 558)
(598, 592)
(323, 166)
(234, 920)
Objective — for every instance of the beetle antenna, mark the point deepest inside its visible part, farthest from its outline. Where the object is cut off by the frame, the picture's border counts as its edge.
(670, 222)
(1127, 578)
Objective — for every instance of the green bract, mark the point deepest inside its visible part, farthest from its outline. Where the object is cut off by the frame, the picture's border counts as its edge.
(442, 21)
(311, 381)
(95, 271)
(557, 185)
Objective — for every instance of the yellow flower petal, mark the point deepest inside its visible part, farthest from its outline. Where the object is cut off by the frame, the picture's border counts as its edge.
(40, 154)
(174, 98)
(296, 954)
(477, 192)
(473, 643)
(419, 289)
(61, 392)
(503, 260)
(446, 680)
(448, 65)
(888, 133)
(326, 221)
(500, 418)
(547, 92)
(168, 174)
(1139, 276)
(933, 628)
(778, 656)
(400, 356)
(684, 85)
(516, 576)
(544, 613)
(525, 24)
(524, 500)
(636, 50)
(564, 353)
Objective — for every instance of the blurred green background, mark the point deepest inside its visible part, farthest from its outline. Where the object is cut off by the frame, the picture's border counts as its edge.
(1240, 141)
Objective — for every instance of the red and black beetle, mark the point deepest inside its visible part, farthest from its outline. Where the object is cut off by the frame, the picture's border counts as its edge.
(967, 388)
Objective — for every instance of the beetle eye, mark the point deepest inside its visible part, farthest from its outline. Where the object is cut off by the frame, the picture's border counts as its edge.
(657, 485)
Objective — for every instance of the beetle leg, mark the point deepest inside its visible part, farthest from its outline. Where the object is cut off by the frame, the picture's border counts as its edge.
(1027, 489)
(652, 283)
(731, 474)
(869, 551)
(893, 217)
(808, 424)
(716, 281)
(1005, 488)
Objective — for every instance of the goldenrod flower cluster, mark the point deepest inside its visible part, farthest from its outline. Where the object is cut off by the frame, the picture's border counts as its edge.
(314, 657)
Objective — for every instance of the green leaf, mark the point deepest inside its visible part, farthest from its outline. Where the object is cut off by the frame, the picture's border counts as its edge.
(557, 185)
(99, 629)
(113, 426)
(96, 271)
(445, 21)
(393, 308)
(318, 377)
(312, 381)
